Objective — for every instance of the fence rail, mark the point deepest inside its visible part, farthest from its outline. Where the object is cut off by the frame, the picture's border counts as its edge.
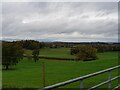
(85, 77)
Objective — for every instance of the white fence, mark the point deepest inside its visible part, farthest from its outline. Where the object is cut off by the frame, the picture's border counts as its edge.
(88, 76)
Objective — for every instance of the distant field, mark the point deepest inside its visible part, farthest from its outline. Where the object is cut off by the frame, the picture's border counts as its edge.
(28, 74)
(55, 52)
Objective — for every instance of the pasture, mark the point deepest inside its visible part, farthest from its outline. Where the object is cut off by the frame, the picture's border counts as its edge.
(28, 74)
(54, 52)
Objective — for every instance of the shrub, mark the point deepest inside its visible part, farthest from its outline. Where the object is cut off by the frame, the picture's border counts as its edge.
(86, 52)
(74, 50)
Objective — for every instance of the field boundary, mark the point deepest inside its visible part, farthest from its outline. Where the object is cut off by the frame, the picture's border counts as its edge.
(56, 58)
(53, 58)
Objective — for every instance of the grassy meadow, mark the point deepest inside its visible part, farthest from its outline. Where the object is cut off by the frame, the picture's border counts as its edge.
(28, 74)
(54, 52)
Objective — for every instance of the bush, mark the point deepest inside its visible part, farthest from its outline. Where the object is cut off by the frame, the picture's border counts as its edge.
(86, 52)
(74, 50)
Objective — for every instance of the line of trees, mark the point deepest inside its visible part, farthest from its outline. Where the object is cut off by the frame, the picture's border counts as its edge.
(107, 47)
(99, 47)
(12, 52)
(88, 51)
(30, 44)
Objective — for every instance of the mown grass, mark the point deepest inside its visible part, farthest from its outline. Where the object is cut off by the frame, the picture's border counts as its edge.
(28, 74)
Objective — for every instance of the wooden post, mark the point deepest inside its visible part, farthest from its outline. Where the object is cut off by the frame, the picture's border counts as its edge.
(43, 73)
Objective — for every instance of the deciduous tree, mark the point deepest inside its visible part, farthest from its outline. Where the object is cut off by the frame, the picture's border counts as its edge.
(35, 54)
(87, 52)
(11, 54)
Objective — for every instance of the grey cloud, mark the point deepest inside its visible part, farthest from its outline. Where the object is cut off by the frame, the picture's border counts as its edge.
(47, 20)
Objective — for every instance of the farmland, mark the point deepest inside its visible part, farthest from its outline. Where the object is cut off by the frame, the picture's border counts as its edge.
(59, 44)
(54, 52)
(28, 74)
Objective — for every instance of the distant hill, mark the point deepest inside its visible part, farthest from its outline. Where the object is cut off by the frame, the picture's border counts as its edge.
(49, 41)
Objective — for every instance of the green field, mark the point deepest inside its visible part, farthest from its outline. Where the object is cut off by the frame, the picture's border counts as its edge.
(54, 52)
(28, 74)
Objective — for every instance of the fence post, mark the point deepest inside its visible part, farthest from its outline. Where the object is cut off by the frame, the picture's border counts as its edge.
(109, 79)
(43, 73)
(81, 84)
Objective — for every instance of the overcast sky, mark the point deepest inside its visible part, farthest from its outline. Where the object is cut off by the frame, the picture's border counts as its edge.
(60, 21)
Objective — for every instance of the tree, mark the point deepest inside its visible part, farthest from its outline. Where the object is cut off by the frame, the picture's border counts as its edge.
(87, 52)
(11, 54)
(35, 54)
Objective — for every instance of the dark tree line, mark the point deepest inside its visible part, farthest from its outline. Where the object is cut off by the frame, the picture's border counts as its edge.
(107, 47)
(99, 47)
(30, 44)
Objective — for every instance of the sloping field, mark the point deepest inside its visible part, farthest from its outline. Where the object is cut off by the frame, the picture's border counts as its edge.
(28, 74)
